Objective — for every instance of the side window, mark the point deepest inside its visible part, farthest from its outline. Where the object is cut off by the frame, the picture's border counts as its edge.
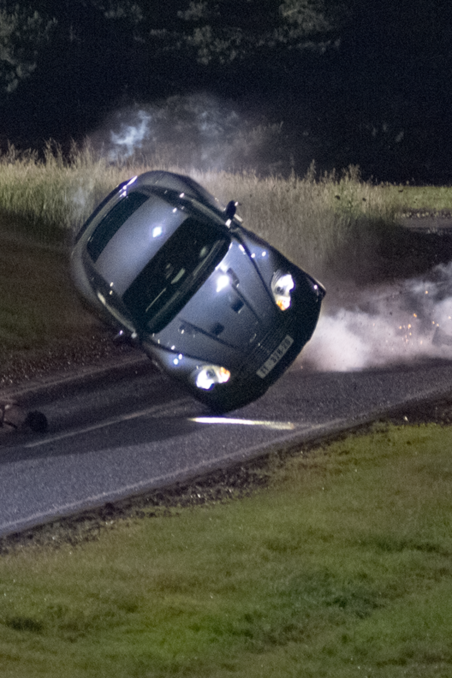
(97, 210)
(112, 222)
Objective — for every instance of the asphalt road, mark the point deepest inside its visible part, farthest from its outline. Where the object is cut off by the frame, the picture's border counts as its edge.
(127, 429)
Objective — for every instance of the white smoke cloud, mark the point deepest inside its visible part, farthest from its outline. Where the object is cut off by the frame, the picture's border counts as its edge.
(79, 200)
(200, 131)
(130, 137)
(382, 326)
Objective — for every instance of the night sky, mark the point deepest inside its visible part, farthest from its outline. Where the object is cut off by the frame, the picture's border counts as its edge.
(352, 81)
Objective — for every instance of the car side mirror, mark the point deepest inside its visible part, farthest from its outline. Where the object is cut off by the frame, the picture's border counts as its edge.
(231, 209)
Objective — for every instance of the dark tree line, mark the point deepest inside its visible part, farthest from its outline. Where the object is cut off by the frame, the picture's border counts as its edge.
(366, 82)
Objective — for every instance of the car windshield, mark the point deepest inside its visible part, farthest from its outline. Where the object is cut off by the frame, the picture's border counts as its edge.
(175, 273)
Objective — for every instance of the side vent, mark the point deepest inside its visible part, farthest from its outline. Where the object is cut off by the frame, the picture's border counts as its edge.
(217, 329)
(237, 305)
(187, 329)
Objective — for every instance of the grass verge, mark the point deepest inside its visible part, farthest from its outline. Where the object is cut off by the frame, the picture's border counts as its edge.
(43, 326)
(341, 566)
(37, 300)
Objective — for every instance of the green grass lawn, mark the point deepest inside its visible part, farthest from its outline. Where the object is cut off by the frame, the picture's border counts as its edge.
(341, 566)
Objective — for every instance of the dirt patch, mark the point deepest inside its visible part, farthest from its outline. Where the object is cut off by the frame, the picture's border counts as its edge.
(437, 411)
(94, 348)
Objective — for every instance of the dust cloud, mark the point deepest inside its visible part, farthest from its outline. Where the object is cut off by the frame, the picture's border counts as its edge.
(194, 131)
(384, 325)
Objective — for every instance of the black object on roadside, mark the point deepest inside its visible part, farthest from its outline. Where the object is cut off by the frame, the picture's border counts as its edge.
(37, 421)
(13, 417)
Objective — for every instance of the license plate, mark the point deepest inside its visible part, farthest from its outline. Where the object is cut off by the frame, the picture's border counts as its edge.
(275, 357)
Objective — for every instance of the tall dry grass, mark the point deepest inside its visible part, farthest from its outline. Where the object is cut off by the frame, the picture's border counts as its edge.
(54, 192)
(329, 224)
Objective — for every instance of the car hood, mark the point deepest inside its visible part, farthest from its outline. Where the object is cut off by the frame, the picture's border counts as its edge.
(226, 317)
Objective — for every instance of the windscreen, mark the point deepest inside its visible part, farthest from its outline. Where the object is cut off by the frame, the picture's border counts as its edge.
(175, 273)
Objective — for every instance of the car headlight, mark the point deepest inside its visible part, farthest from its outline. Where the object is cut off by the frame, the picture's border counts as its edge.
(281, 286)
(207, 376)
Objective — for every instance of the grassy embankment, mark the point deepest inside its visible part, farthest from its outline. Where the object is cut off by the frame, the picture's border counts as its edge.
(334, 226)
(340, 567)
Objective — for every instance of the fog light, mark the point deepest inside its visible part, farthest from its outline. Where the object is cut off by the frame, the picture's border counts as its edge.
(281, 286)
(209, 375)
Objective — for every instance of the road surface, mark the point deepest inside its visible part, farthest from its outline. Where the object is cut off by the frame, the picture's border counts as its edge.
(127, 429)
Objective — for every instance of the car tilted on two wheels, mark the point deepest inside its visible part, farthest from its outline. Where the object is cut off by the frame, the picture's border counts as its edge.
(211, 303)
